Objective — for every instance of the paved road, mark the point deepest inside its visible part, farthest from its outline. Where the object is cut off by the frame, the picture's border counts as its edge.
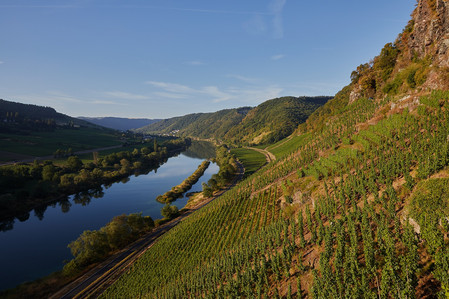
(98, 279)
(29, 160)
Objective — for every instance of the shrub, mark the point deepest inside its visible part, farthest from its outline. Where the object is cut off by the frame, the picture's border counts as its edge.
(169, 211)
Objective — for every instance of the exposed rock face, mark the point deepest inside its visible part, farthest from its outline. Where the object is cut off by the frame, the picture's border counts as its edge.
(430, 35)
(355, 94)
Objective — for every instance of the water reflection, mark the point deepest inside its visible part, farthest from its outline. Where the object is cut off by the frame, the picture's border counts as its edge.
(200, 150)
(39, 211)
(84, 198)
(65, 205)
(38, 247)
(197, 149)
(24, 217)
(7, 224)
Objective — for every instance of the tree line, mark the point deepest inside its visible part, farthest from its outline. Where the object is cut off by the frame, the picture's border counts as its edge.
(25, 186)
(177, 191)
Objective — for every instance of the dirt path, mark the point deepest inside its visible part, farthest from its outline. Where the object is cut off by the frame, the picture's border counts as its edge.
(268, 155)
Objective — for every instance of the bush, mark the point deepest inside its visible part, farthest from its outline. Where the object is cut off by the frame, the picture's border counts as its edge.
(207, 191)
(93, 246)
(169, 211)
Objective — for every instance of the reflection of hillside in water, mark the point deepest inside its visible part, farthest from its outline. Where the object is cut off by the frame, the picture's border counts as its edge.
(200, 150)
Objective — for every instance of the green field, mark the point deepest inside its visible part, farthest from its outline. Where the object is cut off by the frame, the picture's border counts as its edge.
(251, 159)
(287, 145)
(38, 144)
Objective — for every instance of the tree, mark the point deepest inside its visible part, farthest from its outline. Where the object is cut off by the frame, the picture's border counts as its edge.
(74, 163)
(145, 150)
(48, 172)
(207, 191)
(89, 247)
(118, 231)
(95, 157)
(169, 211)
(126, 165)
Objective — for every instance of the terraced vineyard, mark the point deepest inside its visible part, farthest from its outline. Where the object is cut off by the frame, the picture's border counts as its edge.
(323, 222)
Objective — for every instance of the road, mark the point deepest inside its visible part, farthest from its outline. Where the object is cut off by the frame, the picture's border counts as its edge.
(29, 160)
(97, 280)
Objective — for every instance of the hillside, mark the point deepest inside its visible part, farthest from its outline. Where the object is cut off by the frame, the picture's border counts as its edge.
(268, 122)
(18, 116)
(274, 120)
(356, 206)
(28, 131)
(201, 125)
(119, 123)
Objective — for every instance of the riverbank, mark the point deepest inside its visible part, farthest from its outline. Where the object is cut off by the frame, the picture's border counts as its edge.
(27, 187)
(58, 285)
(99, 278)
(38, 246)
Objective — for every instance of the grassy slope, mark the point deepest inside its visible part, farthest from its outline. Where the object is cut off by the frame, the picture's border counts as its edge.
(288, 145)
(251, 159)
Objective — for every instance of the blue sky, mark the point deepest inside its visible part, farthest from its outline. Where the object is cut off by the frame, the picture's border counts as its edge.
(159, 59)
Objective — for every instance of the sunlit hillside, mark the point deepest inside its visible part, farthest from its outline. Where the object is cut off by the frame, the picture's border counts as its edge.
(355, 206)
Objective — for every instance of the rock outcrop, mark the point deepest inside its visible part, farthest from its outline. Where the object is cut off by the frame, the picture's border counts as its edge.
(430, 35)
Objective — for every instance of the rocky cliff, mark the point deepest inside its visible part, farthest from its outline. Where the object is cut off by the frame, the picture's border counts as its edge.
(430, 35)
(417, 61)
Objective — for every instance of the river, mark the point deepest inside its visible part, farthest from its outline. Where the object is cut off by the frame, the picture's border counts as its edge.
(38, 246)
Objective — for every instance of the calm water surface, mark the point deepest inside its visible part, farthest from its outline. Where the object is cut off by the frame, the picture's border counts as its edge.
(38, 246)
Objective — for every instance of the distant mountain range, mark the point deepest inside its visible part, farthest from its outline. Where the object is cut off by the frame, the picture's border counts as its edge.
(269, 122)
(119, 123)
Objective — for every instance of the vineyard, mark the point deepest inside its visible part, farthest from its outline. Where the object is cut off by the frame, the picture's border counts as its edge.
(359, 210)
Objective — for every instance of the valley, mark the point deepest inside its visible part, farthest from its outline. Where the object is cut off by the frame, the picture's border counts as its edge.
(295, 197)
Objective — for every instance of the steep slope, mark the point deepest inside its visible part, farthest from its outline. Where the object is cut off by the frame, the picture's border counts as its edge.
(358, 210)
(119, 123)
(268, 122)
(274, 120)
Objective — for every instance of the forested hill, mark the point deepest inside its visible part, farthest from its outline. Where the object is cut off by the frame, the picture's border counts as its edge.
(268, 122)
(119, 123)
(274, 120)
(18, 116)
(10, 111)
(202, 125)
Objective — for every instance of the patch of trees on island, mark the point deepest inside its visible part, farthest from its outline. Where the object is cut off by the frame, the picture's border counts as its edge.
(177, 191)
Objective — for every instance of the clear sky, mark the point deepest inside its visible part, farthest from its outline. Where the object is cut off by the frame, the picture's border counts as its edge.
(164, 58)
